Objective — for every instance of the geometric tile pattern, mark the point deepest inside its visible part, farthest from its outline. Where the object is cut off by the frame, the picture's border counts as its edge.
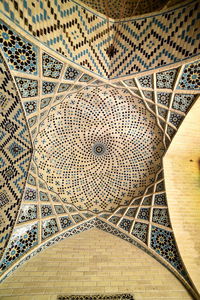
(190, 79)
(162, 241)
(141, 43)
(27, 87)
(120, 155)
(21, 55)
(113, 8)
(51, 67)
(97, 297)
(22, 240)
(168, 94)
(16, 152)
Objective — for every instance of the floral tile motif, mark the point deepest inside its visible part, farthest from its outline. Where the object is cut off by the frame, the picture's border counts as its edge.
(183, 102)
(46, 210)
(125, 224)
(65, 222)
(130, 82)
(71, 73)
(63, 87)
(27, 87)
(148, 95)
(43, 196)
(190, 78)
(140, 231)
(161, 216)
(22, 240)
(32, 121)
(166, 79)
(144, 214)
(163, 98)
(147, 200)
(30, 107)
(114, 219)
(146, 81)
(160, 186)
(175, 119)
(162, 112)
(163, 242)
(77, 218)
(49, 227)
(85, 78)
(48, 87)
(27, 212)
(171, 131)
(160, 199)
(45, 102)
(59, 209)
(31, 180)
(20, 54)
(51, 67)
(30, 194)
(131, 212)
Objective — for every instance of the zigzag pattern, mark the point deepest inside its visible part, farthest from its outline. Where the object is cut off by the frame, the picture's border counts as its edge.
(16, 154)
(139, 44)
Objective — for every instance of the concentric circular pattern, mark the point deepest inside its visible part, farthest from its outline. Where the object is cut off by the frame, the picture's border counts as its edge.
(99, 148)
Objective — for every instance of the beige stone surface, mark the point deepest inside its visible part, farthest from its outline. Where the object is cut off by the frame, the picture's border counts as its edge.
(182, 175)
(91, 263)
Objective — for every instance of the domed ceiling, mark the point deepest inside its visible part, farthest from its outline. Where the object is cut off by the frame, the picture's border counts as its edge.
(99, 148)
(84, 131)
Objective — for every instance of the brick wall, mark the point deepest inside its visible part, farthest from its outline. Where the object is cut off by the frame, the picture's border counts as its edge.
(182, 174)
(92, 262)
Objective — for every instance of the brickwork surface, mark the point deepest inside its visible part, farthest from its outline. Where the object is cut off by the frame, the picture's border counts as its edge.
(92, 263)
(182, 175)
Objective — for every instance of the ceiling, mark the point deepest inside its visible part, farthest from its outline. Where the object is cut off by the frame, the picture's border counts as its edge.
(117, 9)
(84, 132)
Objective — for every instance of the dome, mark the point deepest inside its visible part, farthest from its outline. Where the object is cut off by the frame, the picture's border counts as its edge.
(99, 148)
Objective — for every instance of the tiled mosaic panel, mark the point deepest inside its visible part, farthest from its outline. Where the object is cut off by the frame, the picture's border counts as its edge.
(166, 79)
(163, 242)
(16, 152)
(183, 102)
(27, 212)
(103, 226)
(97, 297)
(23, 239)
(48, 87)
(145, 48)
(49, 227)
(21, 55)
(146, 81)
(112, 125)
(30, 194)
(27, 87)
(163, 98)
(46, 210)
(71, 73)
(161, 216)
(190, 79)
(140, 231)
(51, 67)
(164, 247)
(63, 87)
